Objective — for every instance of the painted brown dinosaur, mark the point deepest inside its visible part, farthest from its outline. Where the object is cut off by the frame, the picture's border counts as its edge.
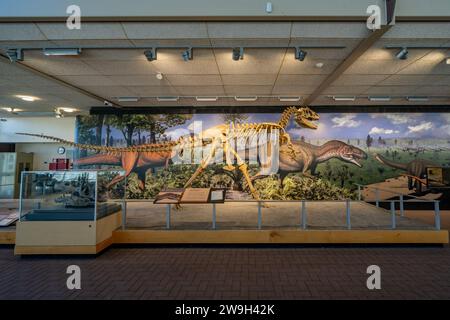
(416, 170)
(308, 156)
(145, 156)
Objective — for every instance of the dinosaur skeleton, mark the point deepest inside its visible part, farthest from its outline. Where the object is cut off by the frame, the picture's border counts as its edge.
(220, 136)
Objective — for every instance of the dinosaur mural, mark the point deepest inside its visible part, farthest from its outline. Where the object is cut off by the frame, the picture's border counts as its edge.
(141, 157)
(415, 170)
(308, 156)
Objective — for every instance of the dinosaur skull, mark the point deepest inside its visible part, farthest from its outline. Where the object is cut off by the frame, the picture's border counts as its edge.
(352, 155)
(304, 117)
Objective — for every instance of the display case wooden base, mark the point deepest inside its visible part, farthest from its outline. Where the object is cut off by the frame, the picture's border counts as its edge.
(66, 237)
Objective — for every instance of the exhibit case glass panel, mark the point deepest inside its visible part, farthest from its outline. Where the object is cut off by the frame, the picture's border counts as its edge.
(7, 174)
(81, 195)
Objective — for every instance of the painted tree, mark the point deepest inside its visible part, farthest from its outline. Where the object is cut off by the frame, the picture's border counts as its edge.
(369, 141)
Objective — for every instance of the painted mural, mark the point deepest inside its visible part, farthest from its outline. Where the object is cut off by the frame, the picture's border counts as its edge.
(318, 158)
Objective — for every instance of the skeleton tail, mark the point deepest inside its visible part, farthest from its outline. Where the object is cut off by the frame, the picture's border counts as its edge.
(156, 147)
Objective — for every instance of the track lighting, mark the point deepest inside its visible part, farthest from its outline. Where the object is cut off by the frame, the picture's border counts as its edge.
(246, 98)
(62, 52)
(238, 54)
(187, 55)
(300, 54)
(150, 54)
(417, 99)
(379, 99)
(344, 98)
(402, 54)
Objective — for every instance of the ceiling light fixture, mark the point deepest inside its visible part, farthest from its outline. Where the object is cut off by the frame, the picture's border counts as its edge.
(27, 98)
(58, 113)
(167, 99)
(380, 99)
(187, 55)
(447, 61)
(159, 76)
(238, 54)
(417, 99)
(402, 54)
(128, 99)
(344, 98)
(300, 54)
(289, 99)
(15, 55)
(319, 65)
(151, 54)
(62, 52)
(204, 99)
(246, 98)
(68, 110)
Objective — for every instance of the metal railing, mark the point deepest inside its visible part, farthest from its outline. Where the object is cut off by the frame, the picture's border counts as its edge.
(303, 211)
(401, 202)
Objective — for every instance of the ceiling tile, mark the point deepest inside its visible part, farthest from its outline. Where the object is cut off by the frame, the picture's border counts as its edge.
(249, 79)
(194, 80)
(165, 30)
(236, 30)
(89, 30)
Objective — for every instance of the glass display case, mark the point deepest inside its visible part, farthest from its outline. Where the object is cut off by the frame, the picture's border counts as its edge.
(84, 195)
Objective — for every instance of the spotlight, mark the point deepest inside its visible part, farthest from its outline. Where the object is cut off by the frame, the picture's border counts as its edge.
(238, 54)
(187, 55)
(150, 54)
(15, 55)
(300, 54)
(58, 114)
(402, 54)
(62, 52)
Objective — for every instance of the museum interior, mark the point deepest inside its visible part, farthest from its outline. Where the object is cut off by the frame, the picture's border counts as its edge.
(278, 126)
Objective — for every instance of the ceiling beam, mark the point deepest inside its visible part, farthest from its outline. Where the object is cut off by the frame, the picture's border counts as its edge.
(58, 81)
(362, 47)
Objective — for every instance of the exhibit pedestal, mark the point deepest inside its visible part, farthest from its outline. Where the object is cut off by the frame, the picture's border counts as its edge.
(66, 237)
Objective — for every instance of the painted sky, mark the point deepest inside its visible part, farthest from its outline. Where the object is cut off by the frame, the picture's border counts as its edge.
(351, 126)
(339, 125)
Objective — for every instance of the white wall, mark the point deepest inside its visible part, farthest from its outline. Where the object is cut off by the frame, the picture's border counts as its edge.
(43, 153)
(62, 128)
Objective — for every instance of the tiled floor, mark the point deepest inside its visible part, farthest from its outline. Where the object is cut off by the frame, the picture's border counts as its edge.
(231, 273)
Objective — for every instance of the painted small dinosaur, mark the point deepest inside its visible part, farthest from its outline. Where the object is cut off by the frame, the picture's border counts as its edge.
(415, 170)
(312, 155)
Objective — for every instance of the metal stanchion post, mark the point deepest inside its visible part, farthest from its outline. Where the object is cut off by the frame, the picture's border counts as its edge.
(304, 214)
(168, 208)
(393, 215)
(349, 225)
(437, 215)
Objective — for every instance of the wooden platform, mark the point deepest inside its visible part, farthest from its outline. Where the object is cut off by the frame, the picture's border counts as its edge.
(281, 236)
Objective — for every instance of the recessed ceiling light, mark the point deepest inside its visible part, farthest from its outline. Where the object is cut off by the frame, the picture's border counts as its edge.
(62, 52)
(319, 65)
(167, 99)
(289, 99)
(344, 98)
(380, 99)
(447, 61)
(402, 54)
(203, 99)
(417, 99)
(159, 76)
(128, 99)
(27, 98)
(246, 98)
(238, 54)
